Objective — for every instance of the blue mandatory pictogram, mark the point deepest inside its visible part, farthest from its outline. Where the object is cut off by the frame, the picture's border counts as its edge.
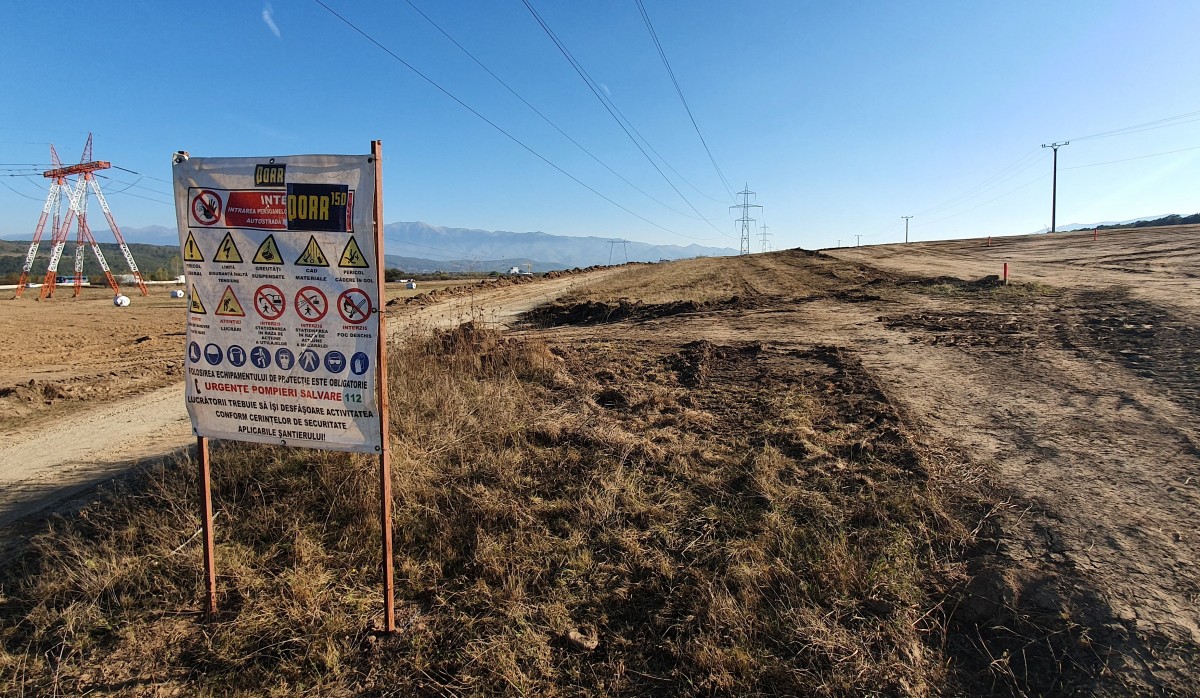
(236, 355)
(194, 352)
(212, 354)
(309, 361)
(284, 358)
(359, 363)
(260, 357)
(335, 361)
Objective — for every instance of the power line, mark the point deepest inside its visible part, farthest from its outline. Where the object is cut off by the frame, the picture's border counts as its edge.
(612, 110)
(1139, 157)
(1148, 126)
(545, 118)
(491, 123)
(667, 64)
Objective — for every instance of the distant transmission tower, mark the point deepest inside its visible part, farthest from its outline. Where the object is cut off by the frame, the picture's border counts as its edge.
(764, 237)
(745, 220)
(77, 200)
(614, 243)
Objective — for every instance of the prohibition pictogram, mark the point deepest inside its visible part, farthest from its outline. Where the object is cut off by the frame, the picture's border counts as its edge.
(311, 304)
(354, 306)
(269, 302)
(206, 207)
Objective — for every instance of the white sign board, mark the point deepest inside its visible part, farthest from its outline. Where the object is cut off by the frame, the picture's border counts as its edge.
(283, 299)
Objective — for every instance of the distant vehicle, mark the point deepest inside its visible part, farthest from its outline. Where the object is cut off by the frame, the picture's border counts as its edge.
(70, 280)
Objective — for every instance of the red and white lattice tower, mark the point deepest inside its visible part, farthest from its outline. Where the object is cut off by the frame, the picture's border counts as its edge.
(77, 201)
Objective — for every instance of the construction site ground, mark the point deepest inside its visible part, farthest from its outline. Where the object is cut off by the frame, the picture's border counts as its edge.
(1071, 393)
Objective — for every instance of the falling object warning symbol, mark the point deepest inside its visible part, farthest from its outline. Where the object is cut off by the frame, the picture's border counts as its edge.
(312, 256)
(268, 252)
(352, 256)
(191, 251)
(229, 304)
(227, 251)
(196, 305)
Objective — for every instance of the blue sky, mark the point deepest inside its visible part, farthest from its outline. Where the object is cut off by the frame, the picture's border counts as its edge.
(843, 117)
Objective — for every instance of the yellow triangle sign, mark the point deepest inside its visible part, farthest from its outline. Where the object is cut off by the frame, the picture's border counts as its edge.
(313, 256)
(197, 306)
(229, 304)
(352, 256)
(227, 251)
(268, 252)
(191, 251)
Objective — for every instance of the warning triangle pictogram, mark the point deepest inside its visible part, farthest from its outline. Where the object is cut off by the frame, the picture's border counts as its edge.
(352, 256)
(268, 252)
(197, 306)
(229, 304)
(191, 251)
(313, 256)
(227, 251)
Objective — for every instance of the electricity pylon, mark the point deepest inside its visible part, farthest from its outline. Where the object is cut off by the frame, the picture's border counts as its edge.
(745, 220)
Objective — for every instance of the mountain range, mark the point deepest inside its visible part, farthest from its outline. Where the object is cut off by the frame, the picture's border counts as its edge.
(421, 248)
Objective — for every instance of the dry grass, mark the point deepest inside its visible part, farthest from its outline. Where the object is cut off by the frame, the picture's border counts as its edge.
(791, 543)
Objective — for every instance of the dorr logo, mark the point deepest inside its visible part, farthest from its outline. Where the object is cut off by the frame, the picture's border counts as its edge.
(268, 175)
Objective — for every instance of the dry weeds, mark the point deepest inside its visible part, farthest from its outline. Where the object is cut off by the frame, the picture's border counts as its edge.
(566, 522)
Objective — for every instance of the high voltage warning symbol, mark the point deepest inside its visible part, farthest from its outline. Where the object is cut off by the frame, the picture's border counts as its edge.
(229, 304)
(197, 306)
(227, 251)
(191, 251)
(268, 252)
(312, 256)
(352, 256)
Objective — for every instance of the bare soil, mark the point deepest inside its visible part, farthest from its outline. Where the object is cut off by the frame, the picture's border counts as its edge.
(1070, 398)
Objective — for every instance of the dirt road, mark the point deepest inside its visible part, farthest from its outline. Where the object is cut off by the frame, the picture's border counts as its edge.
(64, 431)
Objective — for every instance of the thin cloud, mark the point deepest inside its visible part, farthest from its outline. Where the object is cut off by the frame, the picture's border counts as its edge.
(268, 16)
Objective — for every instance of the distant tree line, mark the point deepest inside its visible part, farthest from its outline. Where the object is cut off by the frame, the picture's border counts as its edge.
(156, 262)
(1173, 219)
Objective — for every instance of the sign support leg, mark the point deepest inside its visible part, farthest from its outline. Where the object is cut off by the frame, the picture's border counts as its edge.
(385, 452)
(206, 521)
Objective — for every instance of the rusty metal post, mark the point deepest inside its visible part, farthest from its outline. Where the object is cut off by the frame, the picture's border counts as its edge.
(385, 452)
(206, 522)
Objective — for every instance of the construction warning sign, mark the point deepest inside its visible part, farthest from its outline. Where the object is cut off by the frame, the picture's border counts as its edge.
(227, 251)
(281, 351)
(268, 252)
(312, 256)
(191, 251)
(352, 256)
